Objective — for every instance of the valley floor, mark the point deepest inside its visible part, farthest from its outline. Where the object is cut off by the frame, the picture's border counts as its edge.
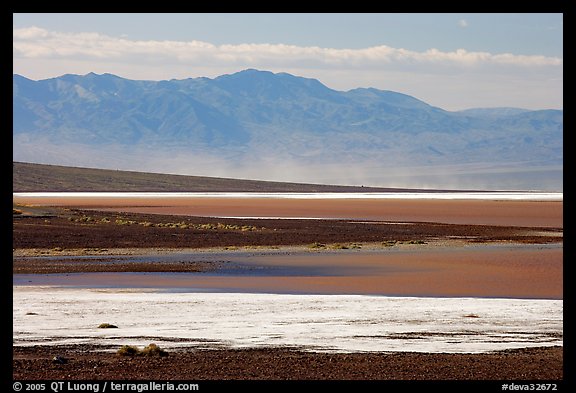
(66, 233)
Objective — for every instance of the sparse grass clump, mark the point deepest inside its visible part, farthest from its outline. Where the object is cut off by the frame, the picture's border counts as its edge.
(416, 242)
(351, 246)
(179, 225)
(120, 221)
(150, 350)
(87, 219)
(317, 245)
(389, 243)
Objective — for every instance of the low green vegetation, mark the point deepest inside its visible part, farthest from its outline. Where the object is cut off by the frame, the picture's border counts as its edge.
(416, 242)
(350, 246)
(173, 225)
(335, 246)
(120, 221)
(392, 243)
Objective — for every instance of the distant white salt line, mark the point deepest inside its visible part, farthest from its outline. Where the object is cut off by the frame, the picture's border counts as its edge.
(311, 218)
(488, 195)
(279, 218)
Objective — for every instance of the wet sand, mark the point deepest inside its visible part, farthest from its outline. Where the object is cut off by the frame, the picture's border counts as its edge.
(479, 212)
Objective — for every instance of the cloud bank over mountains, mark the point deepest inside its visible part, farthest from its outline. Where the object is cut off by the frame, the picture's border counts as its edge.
(462, 73)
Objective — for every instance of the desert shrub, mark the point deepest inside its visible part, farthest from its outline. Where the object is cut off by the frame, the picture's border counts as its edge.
(150, 350)
(128, 350)
(153, 350)
(107, 326)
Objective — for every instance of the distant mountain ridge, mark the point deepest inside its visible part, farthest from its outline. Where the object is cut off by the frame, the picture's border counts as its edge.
(255, 120)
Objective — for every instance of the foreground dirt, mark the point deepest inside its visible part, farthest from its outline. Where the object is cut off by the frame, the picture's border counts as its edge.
(86, 362)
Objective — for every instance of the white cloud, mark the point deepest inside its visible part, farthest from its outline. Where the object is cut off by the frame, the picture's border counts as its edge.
(39, 53)
(463, 23)
(35, 42)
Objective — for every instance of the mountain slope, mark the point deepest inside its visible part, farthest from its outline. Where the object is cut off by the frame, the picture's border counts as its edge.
(30, 177)
(277, 126)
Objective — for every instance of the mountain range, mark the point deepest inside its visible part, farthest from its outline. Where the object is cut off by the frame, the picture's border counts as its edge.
(277, 126)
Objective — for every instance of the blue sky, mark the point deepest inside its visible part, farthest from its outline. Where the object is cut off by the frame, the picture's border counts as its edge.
(454, 61)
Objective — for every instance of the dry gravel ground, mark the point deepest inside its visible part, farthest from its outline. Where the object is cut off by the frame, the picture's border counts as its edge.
(73, 229)
(90, 363)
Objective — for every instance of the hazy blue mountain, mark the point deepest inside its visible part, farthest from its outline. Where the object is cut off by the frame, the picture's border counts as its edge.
(492, 112)
(257, 120)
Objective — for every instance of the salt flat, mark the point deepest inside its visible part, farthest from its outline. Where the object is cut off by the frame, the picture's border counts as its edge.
(348, 323)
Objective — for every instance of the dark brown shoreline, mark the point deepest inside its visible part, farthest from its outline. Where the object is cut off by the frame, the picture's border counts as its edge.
(74, 228)
(86, 362)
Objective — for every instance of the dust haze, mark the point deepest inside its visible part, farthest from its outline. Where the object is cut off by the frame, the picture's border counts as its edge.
(321, 169)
